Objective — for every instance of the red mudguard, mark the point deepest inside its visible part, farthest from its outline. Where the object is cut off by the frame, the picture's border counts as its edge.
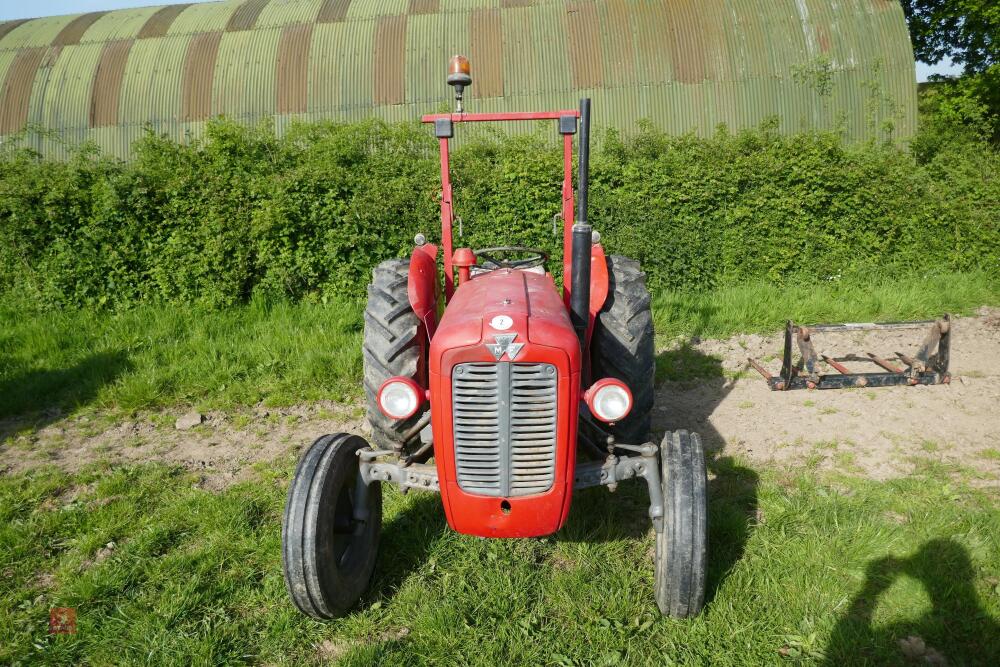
(422, 286)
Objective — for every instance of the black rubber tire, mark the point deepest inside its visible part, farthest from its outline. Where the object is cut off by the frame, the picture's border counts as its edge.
(682, 546)
(622, 345)
(392, 347)
(327, 570)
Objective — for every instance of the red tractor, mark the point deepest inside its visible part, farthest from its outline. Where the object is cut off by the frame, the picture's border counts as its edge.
(518, 392)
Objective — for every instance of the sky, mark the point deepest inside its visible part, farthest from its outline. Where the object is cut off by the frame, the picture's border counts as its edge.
(13, 9)
(16, 9)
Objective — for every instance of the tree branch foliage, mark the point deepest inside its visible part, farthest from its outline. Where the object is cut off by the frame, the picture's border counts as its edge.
(963, 31)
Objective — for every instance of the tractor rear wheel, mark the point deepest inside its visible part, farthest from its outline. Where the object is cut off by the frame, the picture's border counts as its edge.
(331, 528)
(392, 347)
(682, 543)
(622, 345)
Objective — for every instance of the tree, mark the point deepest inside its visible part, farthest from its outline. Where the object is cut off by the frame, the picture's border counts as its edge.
(964, 31)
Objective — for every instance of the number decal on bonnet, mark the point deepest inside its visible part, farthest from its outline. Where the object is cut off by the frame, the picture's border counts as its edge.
(501, 323)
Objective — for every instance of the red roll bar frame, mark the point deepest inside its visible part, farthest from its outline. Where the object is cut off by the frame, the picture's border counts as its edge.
(447, 209)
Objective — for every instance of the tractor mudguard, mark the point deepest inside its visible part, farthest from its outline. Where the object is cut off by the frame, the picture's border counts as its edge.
(599, 282)
(422, 286)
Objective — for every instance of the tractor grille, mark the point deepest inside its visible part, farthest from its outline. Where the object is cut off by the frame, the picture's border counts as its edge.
(505, 427)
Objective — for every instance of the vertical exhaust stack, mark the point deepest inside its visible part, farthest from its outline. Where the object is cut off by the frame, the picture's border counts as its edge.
(579, 299)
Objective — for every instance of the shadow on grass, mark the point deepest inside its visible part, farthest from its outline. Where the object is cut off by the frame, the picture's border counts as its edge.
(600, 516)
(405, 543)
(956, 630)
(38, 397)
(692, 385)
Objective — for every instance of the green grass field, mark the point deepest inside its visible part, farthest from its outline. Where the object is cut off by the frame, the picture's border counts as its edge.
(805, 567)
(162, 356)
(153, 357)
(802, 568)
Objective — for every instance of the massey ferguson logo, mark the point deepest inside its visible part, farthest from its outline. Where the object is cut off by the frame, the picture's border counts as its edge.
(504, 345)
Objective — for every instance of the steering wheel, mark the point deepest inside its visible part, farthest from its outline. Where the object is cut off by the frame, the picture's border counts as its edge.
(487, 256)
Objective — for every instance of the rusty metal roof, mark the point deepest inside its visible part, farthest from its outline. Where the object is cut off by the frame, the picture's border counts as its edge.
(686, 65)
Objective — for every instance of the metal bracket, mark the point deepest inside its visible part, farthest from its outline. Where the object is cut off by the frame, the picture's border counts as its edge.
(414, 476)
(616, 469)
(444, 128)
(609, 472)
(567, 124)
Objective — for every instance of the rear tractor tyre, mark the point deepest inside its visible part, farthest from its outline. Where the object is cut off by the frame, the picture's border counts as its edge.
(331, 527)
(393, 346)
(622, 346)
(682, 543)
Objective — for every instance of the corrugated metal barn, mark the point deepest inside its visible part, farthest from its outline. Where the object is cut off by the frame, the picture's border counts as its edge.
(683, 64)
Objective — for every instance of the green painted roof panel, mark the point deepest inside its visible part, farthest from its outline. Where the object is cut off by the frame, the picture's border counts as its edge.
(36, 32)
(245, 74)
(684, 64)
(365, 9)
(207, 17)
(280, 14)
(152, 78)
(124, 24)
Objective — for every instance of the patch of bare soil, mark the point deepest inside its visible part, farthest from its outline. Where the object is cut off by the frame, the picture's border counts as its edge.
(222, 449)
(882, 433)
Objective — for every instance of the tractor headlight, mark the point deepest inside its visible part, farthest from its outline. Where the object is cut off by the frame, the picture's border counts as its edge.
(609, 400)
(400, 397)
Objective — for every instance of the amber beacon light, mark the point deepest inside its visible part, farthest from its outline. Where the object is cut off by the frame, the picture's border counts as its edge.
(459, 76)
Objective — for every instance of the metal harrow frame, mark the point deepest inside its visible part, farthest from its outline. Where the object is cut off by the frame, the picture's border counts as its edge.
(928, 366)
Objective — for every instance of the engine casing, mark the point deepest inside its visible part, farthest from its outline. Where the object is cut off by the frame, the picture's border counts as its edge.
(503, 471)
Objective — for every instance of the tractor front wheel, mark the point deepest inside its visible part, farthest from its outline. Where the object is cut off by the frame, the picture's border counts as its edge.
(331, 528)
(682, 542)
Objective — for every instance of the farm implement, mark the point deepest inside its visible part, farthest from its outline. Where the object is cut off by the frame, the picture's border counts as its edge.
(928, 365)
(521, 393)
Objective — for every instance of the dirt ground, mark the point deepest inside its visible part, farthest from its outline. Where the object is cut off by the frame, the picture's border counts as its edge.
(881, 433)
(222, 449)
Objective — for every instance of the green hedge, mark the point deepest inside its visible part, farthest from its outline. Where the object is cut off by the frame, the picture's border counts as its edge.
(243, 213)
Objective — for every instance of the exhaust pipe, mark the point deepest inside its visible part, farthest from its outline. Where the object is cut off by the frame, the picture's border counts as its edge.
(579, 299)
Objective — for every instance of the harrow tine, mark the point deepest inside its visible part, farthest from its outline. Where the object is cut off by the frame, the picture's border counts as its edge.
(760, 369)
(884, 364)
(908, 360)
(858, 380)
(776, 384)
(840, 368)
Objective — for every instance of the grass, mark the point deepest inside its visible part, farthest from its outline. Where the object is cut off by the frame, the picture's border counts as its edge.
(155, 356)
(281, 354)
(804, 566)
(801, 569)
(764, 307)
(685, 362)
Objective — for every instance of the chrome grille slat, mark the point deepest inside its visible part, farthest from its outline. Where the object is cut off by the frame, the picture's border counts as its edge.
(504, 419)
(476, 420)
